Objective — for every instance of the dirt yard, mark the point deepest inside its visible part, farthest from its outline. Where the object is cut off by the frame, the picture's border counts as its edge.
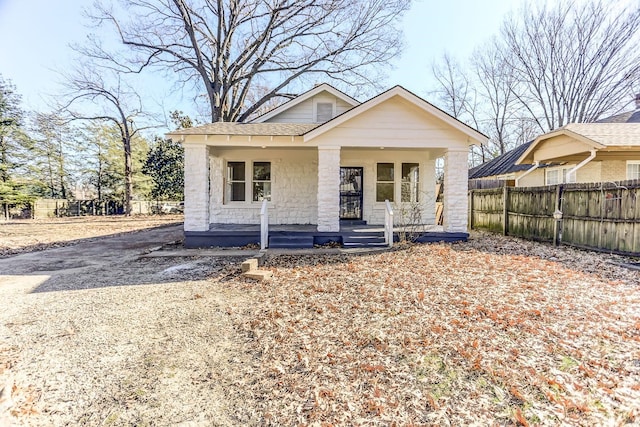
(20, 236)
(493, 331)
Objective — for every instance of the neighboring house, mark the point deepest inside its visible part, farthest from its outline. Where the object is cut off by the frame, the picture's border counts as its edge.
(504, 168)
(586, 152)
(607, 150)
(323, 160)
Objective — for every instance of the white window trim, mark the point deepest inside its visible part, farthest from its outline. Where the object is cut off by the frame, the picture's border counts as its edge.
(248, 184)
(397, 182)
(631, 162)
(558, 168)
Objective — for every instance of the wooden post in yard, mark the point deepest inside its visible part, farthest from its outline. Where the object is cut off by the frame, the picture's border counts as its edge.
(470, 209)
(556, 223)
(505, 211)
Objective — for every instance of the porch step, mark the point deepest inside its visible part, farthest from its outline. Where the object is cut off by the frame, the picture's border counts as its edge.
(290, 241)
(369, 239)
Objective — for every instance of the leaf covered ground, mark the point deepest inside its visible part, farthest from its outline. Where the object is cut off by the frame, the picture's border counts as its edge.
(491, 331)
(495, 331)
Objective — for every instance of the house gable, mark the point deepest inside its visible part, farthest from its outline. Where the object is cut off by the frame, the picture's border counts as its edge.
(396, 118)
(317, 105)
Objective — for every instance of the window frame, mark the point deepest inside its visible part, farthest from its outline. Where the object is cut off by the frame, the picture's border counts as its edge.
(258, 181)
(415, 183)
(229, 183)
(315, 110)
(392, 182)
(632, 163)
(564, 173)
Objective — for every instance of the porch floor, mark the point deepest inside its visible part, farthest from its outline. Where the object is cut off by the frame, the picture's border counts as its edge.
(229, 235)
(312, 228)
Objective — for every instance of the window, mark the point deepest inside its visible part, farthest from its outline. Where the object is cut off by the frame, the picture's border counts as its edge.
(261, 181)
(633, 169)
(324, 112)
(384, 182)
(235, 182)
(559, 175)
(409, 190)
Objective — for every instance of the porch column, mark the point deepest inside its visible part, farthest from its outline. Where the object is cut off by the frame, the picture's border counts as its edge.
(428, 178)
(328, 188)
(196, 188)
(456, 175)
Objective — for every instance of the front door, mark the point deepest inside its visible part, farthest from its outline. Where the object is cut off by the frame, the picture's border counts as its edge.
(351, 193)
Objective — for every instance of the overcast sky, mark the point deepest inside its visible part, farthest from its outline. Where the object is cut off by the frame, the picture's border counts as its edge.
(35, 35)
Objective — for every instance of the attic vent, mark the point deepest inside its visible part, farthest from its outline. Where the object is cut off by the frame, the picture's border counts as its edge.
(324, 112)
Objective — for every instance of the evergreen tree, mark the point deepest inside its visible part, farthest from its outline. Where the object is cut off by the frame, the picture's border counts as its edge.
(165, 166)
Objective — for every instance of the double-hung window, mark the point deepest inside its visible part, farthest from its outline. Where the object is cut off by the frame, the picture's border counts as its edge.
(261, 181)
(633, 169)
(409, 188)
(384, 182)
(236, 182)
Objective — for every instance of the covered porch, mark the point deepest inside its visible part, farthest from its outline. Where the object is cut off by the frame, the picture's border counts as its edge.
(307, 236)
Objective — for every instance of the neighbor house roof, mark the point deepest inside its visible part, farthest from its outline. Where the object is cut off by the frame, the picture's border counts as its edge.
(501, 165)
(628, 117)
(324, 87)
(255, 129)
(595, 136)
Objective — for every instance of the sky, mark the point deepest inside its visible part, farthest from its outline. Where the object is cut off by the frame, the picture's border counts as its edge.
(35, 37)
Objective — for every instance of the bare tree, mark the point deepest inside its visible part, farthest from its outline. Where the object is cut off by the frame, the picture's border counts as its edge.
(95, 94)
(572, 62)
(227, 47)
(457, 95)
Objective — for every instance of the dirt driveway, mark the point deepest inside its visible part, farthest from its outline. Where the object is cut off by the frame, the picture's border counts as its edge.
(94, 334)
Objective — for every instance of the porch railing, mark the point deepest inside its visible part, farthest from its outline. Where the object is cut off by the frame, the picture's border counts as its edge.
(388, 224)
(264, 225)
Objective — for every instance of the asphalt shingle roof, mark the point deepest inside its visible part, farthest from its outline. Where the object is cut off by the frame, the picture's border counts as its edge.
(609, 134)
(628, 117)
(255, 129)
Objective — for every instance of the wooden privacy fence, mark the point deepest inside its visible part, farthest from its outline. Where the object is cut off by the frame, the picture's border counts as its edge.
(601, 216)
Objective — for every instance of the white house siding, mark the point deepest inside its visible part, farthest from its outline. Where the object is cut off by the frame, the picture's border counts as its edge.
(373, 212)
(533, 179)
(394, 123)
(196, 188)
(305, 112)
(293, 186)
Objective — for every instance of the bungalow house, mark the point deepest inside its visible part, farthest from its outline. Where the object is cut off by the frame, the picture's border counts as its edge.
(320, 164)
(585, 152)
(607, 150)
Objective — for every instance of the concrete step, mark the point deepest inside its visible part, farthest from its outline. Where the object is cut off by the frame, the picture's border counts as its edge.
(364, 239)
(258, 274)
(291, 242)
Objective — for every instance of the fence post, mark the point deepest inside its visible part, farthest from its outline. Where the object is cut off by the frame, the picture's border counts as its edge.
(505, 210)
(556, 222)
(471, 209)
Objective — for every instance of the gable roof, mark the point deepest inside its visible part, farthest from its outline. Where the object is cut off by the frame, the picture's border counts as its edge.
(406, 95)
(253, 129)
(598, 136)
(501, 165)
(324, 87)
